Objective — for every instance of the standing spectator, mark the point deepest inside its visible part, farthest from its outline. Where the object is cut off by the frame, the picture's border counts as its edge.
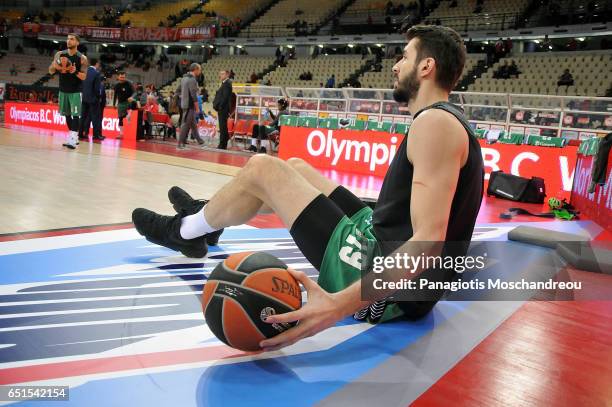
(102, 93)
(499, 48)
(278, 54)
(508, 45)
(90, 104)
(232, 74)
(331, 82)
(566, 79)
(222, 104)
(189, 103)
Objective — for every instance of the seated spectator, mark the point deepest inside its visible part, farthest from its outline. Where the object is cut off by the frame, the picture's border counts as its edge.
(262, 135)
(151, 107)
(331, 82)
(302, 76)
(453, 4)
(253, 78)
(308, 76)
(513, 69)
(502, 72)
(32, 67)
(13, 70)
(19, 49)
(566, 79)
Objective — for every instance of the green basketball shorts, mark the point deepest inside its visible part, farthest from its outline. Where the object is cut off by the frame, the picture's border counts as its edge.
(70, 104)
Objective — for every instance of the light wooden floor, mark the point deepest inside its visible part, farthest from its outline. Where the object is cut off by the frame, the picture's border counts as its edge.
(45, 186)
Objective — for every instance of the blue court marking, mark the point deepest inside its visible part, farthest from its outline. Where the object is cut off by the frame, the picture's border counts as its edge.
(303, 379)
(48, 265)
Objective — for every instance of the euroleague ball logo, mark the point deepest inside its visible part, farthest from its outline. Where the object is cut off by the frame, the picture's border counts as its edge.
(266, 312)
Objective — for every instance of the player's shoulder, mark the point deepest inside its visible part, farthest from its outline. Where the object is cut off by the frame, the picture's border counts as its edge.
(436, 123)
(436, 132)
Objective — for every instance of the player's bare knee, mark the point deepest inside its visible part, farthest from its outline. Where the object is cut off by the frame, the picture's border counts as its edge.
(258, 170)
(296, 162)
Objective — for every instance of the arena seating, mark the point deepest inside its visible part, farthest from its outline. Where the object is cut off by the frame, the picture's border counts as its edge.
(284, 13)
(23, 62)
(229, 9)
(359, 10)
(11, 14)
(540, 73)
(321, 68)
(80, 16)
(158, 12)
(384, 78)
(495, 14)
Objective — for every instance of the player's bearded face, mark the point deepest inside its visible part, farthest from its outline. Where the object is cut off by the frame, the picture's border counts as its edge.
(71, 43)
(406, 88)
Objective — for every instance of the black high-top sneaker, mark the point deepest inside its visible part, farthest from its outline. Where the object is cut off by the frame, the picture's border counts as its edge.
(165, 231)
(377, 309)
(184, 204)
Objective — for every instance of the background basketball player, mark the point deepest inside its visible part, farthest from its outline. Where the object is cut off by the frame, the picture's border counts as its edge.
(72, 67)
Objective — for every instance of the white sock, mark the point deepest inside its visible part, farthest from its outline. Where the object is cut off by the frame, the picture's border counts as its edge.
(195, 225)
(265, 144)
(254, 142)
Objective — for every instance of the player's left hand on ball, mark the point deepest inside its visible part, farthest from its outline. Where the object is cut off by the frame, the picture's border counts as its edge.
(320, 312)
(72, 68)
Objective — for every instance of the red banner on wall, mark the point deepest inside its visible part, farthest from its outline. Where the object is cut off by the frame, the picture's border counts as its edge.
(164, 34)
(362, 152)
(371, 152)
(597, 206)
(47, 116)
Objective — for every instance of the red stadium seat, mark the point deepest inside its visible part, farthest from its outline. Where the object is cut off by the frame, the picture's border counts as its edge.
(240, 127)
(250, 125)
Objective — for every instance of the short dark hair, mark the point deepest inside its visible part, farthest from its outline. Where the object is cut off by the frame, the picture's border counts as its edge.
(76, 36)
(445, 46)
(120, 73)
(93, 61)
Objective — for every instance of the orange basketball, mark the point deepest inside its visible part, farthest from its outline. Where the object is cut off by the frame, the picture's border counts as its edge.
(241, 291)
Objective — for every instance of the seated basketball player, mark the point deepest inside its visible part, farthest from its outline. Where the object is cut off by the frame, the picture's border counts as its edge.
(431, 193)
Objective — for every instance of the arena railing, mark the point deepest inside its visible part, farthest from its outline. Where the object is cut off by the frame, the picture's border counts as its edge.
(478, 22)
(571, 117)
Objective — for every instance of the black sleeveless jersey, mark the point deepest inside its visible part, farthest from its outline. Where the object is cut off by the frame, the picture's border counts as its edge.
(69, 82)
(391, 218)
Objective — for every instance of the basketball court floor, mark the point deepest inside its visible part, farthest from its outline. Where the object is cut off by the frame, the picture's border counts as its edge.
(86, 302)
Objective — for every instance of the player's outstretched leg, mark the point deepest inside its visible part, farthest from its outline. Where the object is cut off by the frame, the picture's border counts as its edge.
(264, 180)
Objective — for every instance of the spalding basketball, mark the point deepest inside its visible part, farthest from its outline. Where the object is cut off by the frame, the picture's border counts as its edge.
(242, 291)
